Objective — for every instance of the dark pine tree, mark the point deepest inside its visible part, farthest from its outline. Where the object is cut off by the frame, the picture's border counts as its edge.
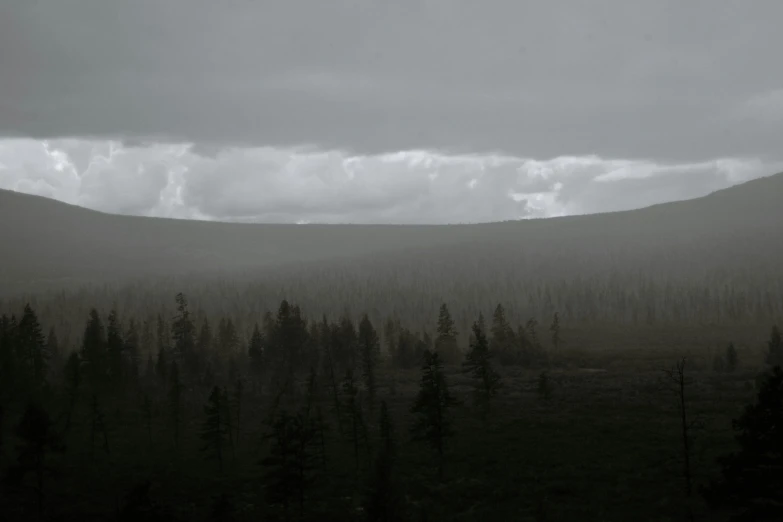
(290, 466)
(446, 339)
(175, 402)
(214, 431)
(478, 364)
(33, 353)
(370, 350)
(183, 333)
(38, 440)
(73, 383)
(8, 357)
(751, 485)
(433, 402)
(115, 346)
(383, 502)
(255, 352)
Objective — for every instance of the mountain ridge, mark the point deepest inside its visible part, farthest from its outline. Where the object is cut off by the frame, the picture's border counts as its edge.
(52, 242)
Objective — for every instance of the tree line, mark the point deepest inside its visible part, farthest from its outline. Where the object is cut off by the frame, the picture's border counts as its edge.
(310, 382)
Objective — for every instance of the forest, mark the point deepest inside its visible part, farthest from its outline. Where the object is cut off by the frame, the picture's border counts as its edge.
(612, 367)
(181, 416)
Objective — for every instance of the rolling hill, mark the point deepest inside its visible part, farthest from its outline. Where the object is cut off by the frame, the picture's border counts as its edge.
(48, 244)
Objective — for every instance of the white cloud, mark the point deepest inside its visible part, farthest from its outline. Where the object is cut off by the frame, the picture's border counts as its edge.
(265, 184)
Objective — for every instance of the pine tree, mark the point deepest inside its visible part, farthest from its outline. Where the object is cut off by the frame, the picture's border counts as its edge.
(329, 334)
(255, 351)
(115, 345)
(175, 402)
(32, 348)
(73, 381)
(183, 333)
(383, 502)
(214, 431)
(432, 405)
(354, 415)
(502, 339)
(291, 463)
(38, 440)
(752, 478)
(8, 359)
(370, 350)
(478, 363)
(93, 352)
(446, 339)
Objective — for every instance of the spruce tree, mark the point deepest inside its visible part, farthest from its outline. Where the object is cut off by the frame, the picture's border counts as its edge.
(32, 348)
(255, 352)
(446, 339)
(290, 466)
(354, 415)
(8, 356)
(38, 440)
(752, 478)
(183, 333)
(502, 340)
(433, 402)
(175, 402)
(370, 350)
(214, 430)
(115, 346)
(73, 382)
(383, 501)
(93, 353)
(478, 364)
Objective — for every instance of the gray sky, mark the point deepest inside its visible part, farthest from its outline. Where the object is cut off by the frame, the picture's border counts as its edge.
(404, 111)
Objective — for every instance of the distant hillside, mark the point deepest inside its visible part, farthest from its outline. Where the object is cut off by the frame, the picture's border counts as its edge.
(49, 244)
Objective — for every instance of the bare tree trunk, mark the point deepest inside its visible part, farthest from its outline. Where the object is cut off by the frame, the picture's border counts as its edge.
(678, 377)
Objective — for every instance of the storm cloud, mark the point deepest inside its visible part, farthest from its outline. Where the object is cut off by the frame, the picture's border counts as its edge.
(659, 79)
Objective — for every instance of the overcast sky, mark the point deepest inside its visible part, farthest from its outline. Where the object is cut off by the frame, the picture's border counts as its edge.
(377, 111)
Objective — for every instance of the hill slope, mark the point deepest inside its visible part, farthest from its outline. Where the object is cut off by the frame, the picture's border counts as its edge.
(47, 243)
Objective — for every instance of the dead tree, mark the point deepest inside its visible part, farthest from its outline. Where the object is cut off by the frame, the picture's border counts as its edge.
(677, 376)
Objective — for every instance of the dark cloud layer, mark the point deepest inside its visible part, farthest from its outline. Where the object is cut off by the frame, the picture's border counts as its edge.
(665, 80)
